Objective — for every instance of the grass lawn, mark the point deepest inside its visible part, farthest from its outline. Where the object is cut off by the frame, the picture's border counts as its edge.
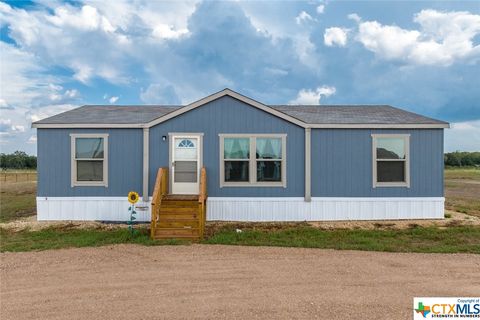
(57, 238)
(432, 239)
(17, 200)
(462, 189)
(449, 240)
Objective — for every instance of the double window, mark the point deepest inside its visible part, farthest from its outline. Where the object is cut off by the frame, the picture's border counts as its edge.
(253, 160)
(391, 167)
(89, 159)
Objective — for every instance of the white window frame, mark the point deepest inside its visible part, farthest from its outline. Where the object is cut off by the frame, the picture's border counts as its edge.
(74, 181)
(252, 161)
(405, 183)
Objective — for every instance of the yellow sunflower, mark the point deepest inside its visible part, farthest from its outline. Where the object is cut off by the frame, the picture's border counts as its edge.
(133, 197)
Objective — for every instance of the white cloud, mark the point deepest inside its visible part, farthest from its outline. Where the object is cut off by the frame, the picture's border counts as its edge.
(321, 9)
(335, 36)
(463, 136)
(163, 31)
(303, 17)
(87, 18)
(48, 111)
(311, 97)
(32, 139)
(443, 38)
(113, 99)
(119, 33)
(71, 93)
(5, 125)
(18, 128)
(354, 17)
(157, 93)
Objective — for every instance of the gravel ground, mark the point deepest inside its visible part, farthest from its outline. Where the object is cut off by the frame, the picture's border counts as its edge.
(206, 282)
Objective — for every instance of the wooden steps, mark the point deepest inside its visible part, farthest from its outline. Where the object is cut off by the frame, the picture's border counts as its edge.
(178, 216)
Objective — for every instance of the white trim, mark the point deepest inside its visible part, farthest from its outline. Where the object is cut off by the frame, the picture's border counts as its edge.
(186, 133)
(247, 100)
(87, 125)
(252, 161)
(308, 164)
(146, 148)
(171, 136)
(323, 208)
(233, 94)
(405, 183)
(303, 125)
(252, 208)
(73, 161)
(378, 126)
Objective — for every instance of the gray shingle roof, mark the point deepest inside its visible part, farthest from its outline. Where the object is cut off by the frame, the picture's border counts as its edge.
(354, 114)
(102, 114)
(310, 114)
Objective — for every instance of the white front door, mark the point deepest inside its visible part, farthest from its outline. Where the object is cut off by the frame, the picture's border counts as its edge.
(185, 164)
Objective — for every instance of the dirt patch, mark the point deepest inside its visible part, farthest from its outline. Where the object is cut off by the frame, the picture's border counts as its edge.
(455, 219)
(228, 282)
(31, 224)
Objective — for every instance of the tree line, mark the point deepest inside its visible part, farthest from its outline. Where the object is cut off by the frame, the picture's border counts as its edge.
(17, 160)
(21, 160)
(462, 159)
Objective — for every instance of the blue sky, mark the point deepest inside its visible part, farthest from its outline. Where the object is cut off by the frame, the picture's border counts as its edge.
(420, 56)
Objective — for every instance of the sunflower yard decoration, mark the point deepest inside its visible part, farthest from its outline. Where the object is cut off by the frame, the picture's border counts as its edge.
(132, 198)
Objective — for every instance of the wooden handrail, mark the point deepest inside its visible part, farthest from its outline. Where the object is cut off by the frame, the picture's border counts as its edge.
(202, 200)
(160, 189)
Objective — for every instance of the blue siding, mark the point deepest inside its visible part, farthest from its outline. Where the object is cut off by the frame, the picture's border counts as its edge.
(125, 148)
(342, 164)
(341, 158)
(228, 115)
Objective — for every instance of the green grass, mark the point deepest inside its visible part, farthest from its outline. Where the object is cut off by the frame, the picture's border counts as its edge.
(56, 239)
(449, 240)
(17, 200)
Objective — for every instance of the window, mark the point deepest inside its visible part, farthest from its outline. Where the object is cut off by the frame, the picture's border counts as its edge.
(253, 160)
(391, 167)
(89, 159)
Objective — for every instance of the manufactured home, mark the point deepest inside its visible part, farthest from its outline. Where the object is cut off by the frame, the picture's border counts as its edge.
(257, 162)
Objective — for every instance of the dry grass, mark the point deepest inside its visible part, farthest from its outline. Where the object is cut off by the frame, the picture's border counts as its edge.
(462, 190)
(17, 200)
(18, 176)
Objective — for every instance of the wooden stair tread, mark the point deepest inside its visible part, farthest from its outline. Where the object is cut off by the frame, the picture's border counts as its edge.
(180, 197)
(178, 209)
(176, 237)
(178, 216)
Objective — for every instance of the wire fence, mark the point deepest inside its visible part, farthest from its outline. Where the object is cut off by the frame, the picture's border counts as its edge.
(18, 176)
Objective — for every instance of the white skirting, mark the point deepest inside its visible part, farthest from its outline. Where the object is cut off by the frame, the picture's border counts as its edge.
(88, 208)
(323, 209)
(251, 209)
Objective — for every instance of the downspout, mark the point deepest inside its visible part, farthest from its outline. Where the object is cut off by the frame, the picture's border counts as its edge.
(308, 164)
(146, 135)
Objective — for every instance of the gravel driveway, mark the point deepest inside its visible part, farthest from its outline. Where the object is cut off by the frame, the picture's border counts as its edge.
(207, 282)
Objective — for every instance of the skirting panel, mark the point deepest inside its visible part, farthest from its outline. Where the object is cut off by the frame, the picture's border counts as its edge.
(323, 209)
(88, 208)
(251, 209)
